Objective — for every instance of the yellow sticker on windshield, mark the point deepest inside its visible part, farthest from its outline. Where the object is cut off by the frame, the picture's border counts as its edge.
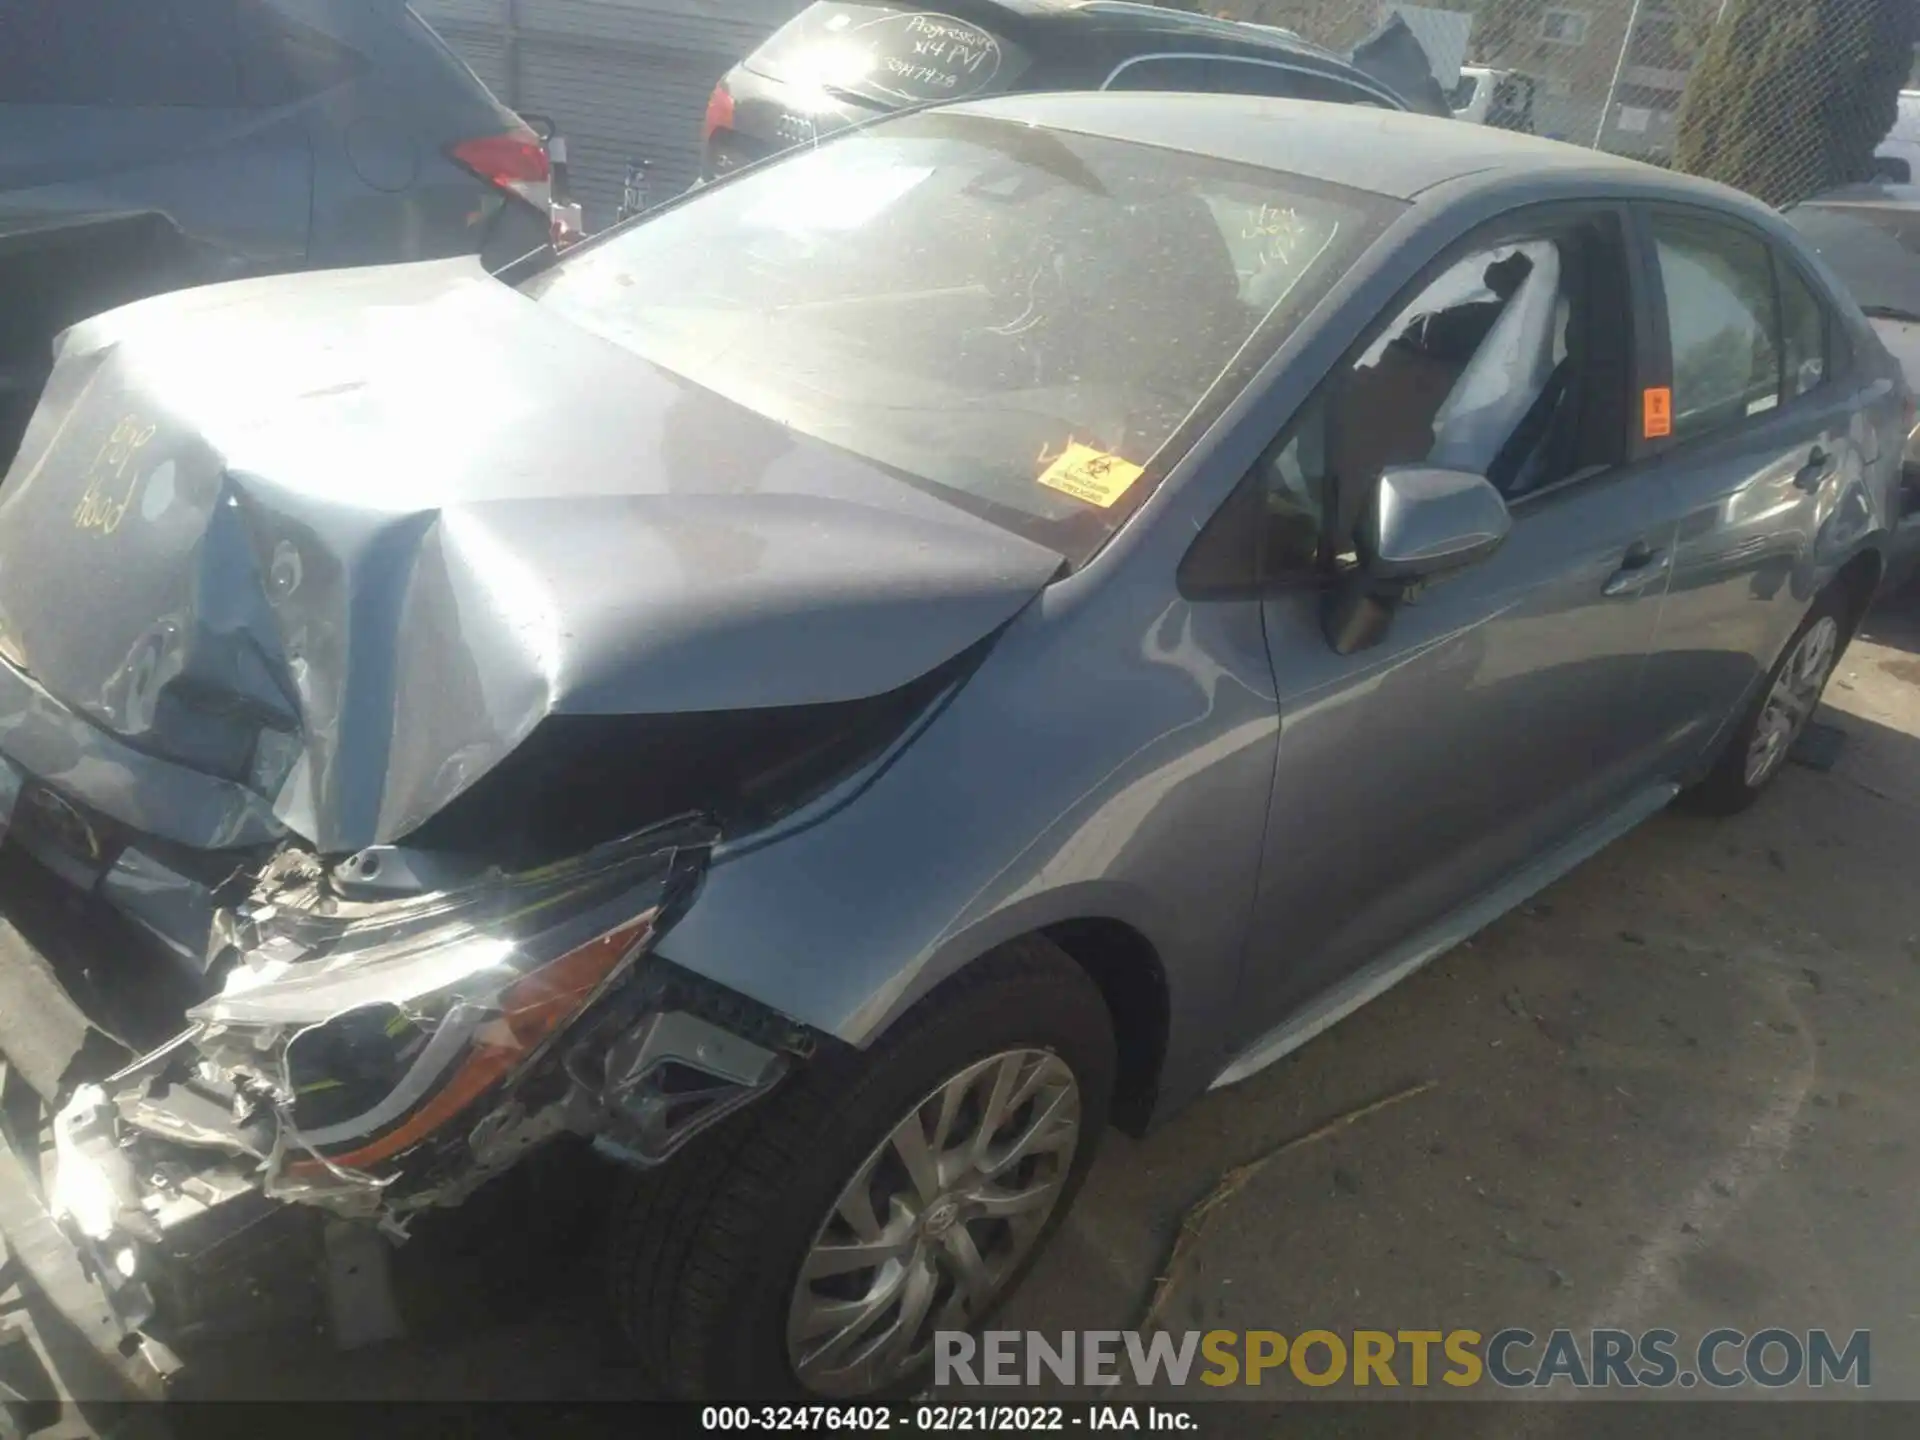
(1090, 475)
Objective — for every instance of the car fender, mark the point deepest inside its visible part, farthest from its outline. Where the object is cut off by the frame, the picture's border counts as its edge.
(1116, 761)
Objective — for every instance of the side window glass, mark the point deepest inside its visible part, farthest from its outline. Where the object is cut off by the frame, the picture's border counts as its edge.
(1293, 482)
(1721, 317)
(1274, 525)
(1239, 77)
(1804, 333)
(1512, 364)
(1243, 77)
(1174, 73)
(120, 54)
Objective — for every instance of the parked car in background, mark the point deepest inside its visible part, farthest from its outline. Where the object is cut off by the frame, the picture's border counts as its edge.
(1898, 155)
(1869, 235)
(836, 63)
(151, 144)
(1500, 98)
(999, 623)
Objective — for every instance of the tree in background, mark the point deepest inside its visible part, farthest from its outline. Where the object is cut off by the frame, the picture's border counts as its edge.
(1792, 96)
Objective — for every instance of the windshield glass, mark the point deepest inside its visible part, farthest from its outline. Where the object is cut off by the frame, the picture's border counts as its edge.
(1874, 250)
(1028, 322)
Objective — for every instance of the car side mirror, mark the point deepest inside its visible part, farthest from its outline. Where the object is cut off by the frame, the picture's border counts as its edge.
(1423, 524)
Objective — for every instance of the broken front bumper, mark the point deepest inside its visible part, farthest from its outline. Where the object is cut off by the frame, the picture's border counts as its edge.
(143, 1194)
(112, 1315)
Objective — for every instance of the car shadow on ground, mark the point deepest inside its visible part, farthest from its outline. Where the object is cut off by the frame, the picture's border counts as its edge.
(1673, 1090)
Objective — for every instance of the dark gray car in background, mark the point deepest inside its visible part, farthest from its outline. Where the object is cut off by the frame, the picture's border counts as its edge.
(835, 691)
(1869, 235)
(151, 144)
(837, 63)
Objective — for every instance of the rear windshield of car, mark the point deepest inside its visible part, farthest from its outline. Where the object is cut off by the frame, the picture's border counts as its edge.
(889, 54)
(1875, 250)
(1034, 324)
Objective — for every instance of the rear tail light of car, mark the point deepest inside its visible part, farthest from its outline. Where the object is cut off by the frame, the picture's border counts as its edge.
(514, 162)
(719, 111)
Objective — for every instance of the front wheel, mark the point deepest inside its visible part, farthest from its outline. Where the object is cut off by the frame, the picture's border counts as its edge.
(813, 1247)
(1775, 719)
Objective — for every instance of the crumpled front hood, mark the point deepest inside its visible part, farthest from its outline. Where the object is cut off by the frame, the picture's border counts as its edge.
(343, 540)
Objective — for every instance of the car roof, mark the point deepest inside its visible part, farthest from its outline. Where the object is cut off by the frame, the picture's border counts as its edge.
(1389, 152)
(1127, 17)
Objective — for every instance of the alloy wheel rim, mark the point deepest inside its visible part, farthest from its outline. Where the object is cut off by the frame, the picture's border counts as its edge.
(935, 1222)
(1792, 700)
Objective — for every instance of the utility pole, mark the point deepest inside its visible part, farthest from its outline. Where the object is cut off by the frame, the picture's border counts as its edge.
(1613, 88)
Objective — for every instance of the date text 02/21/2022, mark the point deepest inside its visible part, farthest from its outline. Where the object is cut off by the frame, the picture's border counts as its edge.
(937, 1419)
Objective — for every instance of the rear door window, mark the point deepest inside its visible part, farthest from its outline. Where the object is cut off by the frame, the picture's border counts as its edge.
(1722, 321)
(890, 54)
(120, 54)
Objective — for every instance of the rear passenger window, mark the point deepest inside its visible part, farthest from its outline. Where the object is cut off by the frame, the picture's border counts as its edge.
(119, 54)
(1722, 321)
(1804, 325)
(1245, 77)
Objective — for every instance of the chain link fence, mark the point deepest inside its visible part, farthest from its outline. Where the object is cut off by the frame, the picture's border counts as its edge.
(1784, 98)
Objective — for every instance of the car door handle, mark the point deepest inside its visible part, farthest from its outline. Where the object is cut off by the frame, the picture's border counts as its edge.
(1641, 567)
(1812, 475)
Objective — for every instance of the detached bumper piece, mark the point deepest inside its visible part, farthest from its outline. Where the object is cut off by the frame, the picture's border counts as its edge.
(681, 1055)
(126, 1305)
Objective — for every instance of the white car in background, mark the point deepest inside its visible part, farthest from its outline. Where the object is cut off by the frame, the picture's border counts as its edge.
(1500, 98)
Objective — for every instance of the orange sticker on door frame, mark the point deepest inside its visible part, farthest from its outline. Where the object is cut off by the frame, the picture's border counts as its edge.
(1657, 413)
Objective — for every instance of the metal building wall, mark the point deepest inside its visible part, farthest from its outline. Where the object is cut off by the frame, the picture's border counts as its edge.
(623, 79)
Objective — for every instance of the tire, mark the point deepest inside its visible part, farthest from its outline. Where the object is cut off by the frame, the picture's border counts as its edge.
(1734, 784)
(704, 1255)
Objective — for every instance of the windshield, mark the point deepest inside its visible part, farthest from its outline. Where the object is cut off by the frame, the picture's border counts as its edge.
(1025, 321)
(1874, 250)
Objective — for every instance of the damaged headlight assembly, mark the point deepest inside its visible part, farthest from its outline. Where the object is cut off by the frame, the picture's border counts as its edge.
(377, 1053)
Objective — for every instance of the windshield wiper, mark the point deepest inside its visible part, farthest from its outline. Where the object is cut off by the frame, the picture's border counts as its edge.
(1889, 312)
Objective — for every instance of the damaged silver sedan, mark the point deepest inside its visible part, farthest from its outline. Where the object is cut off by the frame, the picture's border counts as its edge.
(836, 691)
